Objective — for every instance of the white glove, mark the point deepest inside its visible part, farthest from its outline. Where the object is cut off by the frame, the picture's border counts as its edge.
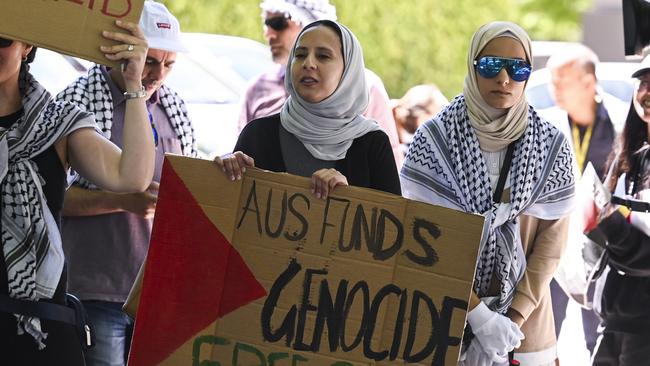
(496, 333)
(475, 356)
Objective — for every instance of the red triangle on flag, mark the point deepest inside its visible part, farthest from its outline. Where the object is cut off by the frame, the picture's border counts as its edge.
(193, 276)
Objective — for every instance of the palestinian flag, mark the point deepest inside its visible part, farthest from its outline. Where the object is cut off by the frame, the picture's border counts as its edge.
(260, 272)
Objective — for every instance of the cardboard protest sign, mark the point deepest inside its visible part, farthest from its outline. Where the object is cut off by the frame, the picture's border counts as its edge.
(260, 272)
(68, 26)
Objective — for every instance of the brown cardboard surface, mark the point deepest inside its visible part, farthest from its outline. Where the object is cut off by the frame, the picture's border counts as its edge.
(72, 27)
(426, 282)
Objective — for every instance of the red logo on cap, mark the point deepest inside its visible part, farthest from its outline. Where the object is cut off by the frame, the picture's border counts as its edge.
(164, 25)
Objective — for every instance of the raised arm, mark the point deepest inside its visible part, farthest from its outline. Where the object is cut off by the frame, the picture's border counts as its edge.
(95, 157)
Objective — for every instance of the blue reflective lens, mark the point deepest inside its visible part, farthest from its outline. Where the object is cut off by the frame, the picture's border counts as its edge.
(490, 66)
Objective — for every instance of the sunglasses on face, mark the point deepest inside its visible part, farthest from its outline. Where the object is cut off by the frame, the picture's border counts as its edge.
(490, 66)
(4, 43)
(277, 23)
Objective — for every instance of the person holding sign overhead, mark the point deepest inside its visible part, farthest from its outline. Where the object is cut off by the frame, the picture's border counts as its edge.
(488, 152)
(40, 140)
(320, 131)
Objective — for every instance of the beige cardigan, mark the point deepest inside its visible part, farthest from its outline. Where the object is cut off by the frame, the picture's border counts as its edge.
(544, 242)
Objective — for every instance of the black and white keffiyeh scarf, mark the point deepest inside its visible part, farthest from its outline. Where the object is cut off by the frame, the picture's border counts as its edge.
(445, 166)
(92, 93)
(31, 242)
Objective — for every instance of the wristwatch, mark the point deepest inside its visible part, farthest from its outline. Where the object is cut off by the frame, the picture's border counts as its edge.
(136, 94)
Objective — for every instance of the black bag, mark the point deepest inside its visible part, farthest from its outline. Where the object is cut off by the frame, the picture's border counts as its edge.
(82, 322)
(72, 313)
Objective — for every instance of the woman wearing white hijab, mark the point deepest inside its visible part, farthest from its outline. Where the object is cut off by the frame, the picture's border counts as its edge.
(320, 132)
(489, 153)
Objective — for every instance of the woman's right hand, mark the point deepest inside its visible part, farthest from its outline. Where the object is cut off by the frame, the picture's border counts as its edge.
(234, 164)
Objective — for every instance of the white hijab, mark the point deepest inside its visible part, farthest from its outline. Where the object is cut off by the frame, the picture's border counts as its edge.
(327, 128)
(495, 130)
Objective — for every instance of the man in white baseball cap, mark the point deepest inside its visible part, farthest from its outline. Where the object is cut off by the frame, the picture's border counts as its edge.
(107, 234)
(283, 20)
(161, 28)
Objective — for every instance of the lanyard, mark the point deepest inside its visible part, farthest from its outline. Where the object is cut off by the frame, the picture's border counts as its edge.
(154, 131)
(581, 147)
(503, 174)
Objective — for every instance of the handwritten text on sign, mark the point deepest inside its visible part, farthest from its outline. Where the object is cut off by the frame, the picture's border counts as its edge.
(324, 308)
(360, 278)
(112, 8)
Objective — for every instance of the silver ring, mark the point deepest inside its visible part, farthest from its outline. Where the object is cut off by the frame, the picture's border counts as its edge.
(129, 47)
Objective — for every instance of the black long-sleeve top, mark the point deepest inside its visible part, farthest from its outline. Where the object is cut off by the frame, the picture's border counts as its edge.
(368, 163)
(625, 304)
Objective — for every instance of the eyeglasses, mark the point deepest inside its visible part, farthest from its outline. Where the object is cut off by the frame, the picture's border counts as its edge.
(4, 43)
(277, 23)
(490, 66)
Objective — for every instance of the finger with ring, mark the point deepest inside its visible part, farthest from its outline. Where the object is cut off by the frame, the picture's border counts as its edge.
(129, 47)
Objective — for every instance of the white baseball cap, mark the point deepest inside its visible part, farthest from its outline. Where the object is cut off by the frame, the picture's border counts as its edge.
(301, 11)
(161, 28)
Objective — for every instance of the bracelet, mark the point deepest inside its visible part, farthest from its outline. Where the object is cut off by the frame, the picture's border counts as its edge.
(136, 94)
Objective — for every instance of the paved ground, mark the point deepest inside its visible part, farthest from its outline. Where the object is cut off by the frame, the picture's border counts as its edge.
(571, 345)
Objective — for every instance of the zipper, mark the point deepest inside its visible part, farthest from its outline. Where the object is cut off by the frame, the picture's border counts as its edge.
(87, 329)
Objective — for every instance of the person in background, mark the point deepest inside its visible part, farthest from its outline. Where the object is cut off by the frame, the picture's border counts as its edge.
(283, 21)
(40, 139)
(320, 132)
(590, 120)
(106, 234)
(488, 152)
(624, 289)
(418, 105)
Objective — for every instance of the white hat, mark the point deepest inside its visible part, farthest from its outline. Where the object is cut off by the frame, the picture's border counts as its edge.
(161, 28)
(301, 11)
(644, 67)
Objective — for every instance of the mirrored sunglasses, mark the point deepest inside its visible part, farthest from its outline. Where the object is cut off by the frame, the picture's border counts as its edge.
(4, 43)
(490, 66)
(277, 23)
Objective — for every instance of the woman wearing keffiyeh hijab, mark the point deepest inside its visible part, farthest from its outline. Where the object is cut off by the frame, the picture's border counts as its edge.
(488, 152)
(320, 132)
(40, 139)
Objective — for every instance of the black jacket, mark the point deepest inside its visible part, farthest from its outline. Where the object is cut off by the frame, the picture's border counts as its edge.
(368, 163)
(625, 305)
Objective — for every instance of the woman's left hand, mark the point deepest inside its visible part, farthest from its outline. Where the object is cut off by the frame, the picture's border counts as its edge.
(325, 180)
(131, 50)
